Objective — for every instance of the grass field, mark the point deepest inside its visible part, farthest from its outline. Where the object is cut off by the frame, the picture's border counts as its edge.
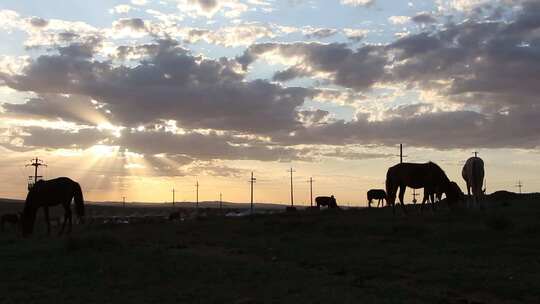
(348, 256)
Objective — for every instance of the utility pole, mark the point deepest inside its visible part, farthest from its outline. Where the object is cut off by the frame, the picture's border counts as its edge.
(414, 194)
(197, 194)
(173, 197)
(401, 156)
(251, 181)
(519, 185)
(292, 195)
(123, 202)
(310, 181)
(220, 201)
(35, 163)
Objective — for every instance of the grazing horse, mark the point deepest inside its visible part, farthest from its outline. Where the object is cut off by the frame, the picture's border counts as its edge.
(11, 218)
(428, 176)
(329, 201)
(473, 174)
(378, 194)
(58, 191)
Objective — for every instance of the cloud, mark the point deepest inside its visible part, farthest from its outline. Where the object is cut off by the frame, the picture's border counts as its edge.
(441, 130)
(399, 19)
(121, 9)
(38, 22)
(203, 146)
(358, 2)
(79, 109)
(485, 71)
(208, 8)
(424, 18)
(169, 84)
(358, 69)
(37, 137)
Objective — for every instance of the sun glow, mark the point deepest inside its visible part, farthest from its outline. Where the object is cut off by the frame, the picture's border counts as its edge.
(104, 150)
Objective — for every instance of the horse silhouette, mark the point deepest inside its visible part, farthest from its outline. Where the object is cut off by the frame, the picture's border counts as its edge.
(378, 194)
(427, 175)
(11, 218)
(473, 174)
(329, 201)
(58, 191)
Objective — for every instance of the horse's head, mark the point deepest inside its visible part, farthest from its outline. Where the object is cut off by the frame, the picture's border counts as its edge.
(28, 216)
(454, 193)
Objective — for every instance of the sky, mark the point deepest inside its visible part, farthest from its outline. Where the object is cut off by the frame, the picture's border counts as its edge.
(135, 98)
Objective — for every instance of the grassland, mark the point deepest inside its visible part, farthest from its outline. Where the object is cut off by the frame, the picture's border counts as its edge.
(348, 256)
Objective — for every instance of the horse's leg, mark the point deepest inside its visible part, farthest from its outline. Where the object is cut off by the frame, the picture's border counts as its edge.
(468, 194)
(401, 196)
(64, 223)
(369, 203)
(46, 212)
(432, 197)
(70, 217)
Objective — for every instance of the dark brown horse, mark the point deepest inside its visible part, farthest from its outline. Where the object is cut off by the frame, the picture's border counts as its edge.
(378, 194)
(428, 176)
(58, 191)
(329, 201)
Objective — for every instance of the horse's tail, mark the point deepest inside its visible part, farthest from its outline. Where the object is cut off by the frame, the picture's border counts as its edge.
(390, 192)
(79, 200)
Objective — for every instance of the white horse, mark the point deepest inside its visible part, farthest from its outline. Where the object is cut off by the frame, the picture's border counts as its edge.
(473, 174)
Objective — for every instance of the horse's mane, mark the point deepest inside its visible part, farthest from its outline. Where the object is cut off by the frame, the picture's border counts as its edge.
(439, 171)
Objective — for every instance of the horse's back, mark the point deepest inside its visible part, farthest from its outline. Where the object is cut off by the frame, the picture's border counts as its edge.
(376, 194)
(473, 163)
(473, 171)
